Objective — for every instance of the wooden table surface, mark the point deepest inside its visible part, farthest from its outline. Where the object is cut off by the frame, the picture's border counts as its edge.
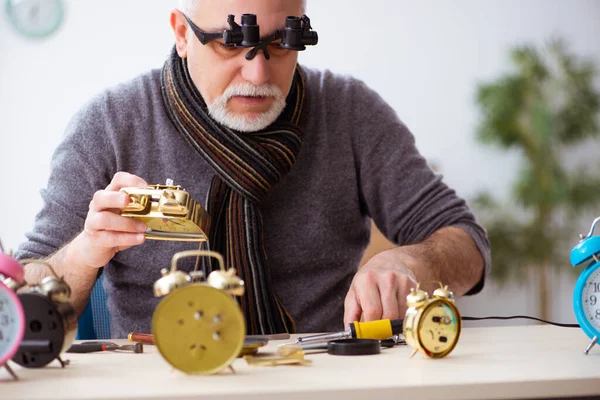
(505, 362)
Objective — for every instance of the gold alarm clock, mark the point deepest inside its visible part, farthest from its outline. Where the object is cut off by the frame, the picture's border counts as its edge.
(169, 212)
(432, 325)
(198, 327)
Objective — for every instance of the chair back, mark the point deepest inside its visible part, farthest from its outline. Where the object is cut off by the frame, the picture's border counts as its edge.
(94, 323)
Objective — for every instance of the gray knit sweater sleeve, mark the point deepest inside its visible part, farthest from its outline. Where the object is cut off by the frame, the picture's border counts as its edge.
(78, 169)
(405, 198)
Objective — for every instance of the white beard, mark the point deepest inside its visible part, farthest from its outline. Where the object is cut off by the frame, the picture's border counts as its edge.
(219, 112)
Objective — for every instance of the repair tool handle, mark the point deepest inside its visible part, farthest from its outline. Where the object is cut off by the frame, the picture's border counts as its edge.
(379, 329)
(90, 348)
(141, 337)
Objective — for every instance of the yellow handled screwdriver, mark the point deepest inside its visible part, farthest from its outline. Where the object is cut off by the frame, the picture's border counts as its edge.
(379, 330)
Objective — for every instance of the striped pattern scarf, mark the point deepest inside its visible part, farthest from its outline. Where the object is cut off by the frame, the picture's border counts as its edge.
(246, 166)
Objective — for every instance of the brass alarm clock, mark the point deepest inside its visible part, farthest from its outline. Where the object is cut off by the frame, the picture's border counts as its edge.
(432, 325)
(169, 212)
(50, 321)
(198, 327)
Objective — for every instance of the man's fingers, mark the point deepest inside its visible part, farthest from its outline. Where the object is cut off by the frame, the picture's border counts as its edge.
(125, 179)
(107, 200)
(116, 240)
(390, 284)
(377, 294)
(367, 293)
(108, 221)
(352, 310)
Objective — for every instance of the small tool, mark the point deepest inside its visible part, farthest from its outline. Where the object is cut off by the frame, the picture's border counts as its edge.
(386, 343)
(140, 337)
(91, 347)
(147, 338)
(379, 329)
(347, 346)
(251, 343)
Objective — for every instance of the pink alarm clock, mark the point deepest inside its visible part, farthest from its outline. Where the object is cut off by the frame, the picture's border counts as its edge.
(12, 317)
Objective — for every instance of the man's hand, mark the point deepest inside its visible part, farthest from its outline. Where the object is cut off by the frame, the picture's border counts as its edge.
(379, 289)
(106, 232)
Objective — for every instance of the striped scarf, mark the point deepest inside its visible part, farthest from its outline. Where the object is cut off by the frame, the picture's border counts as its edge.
(246, 166)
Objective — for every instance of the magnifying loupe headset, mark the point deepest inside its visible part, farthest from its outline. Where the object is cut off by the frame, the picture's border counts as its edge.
(295, 35)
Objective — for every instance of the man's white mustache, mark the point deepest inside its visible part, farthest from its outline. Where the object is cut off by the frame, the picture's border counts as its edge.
(249, 90)
(219, 111)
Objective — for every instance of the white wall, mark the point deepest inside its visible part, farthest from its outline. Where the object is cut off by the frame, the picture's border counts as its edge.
(423, 57)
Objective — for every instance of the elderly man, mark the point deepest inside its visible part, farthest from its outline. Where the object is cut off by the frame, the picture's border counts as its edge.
(292, 162)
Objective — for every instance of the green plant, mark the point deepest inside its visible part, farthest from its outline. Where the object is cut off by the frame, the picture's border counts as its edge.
(543, 108)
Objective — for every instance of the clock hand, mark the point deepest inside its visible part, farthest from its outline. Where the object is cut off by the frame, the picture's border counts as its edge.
(34, 11)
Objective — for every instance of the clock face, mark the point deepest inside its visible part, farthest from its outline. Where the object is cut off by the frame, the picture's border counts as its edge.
(35, 18)
(439, 328)
(590, 299)
(12, 323)
(180, 228)
(173, 225)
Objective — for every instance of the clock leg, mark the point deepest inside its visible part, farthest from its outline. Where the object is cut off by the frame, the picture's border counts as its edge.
(10, 371)
(63, 363)
(589, 346)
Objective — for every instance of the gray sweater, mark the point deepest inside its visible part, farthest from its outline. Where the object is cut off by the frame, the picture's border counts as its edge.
(357, 161)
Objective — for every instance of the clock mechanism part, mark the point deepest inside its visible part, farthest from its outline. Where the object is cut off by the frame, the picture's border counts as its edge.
(169, 212)
(198, 326)
(586, 296)
(294, 358)
(50, 321)
(432, 325)
(12, 315)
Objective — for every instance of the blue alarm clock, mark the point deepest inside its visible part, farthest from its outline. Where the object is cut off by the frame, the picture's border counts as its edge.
(586, 298)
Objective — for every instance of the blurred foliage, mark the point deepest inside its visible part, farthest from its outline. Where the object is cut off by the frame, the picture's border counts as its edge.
(547, 105)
